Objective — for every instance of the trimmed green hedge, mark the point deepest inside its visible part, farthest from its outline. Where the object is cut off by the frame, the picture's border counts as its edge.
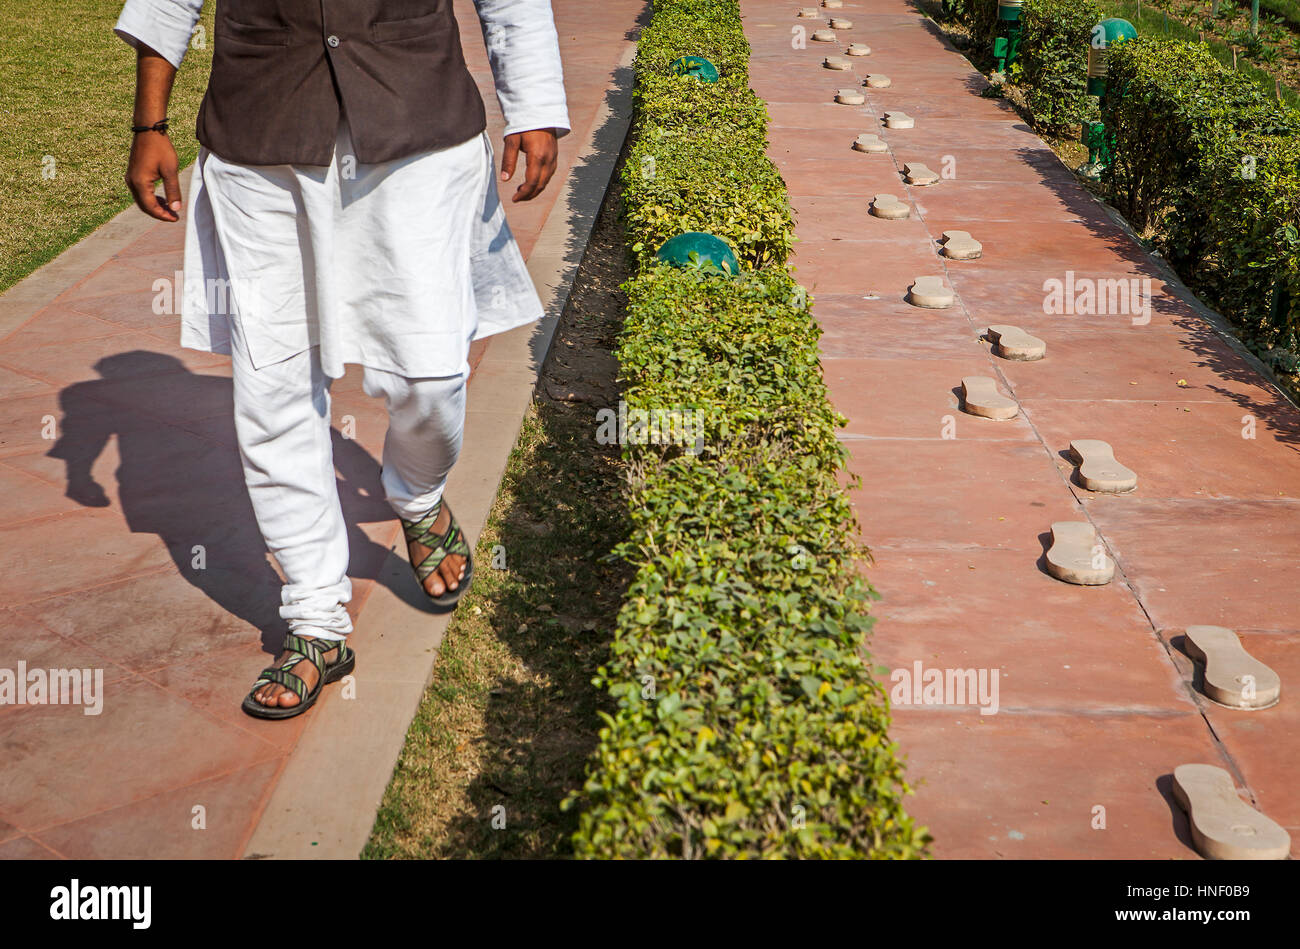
(1250, 188)
(1168, 104)
(748, 723)
(702, 28)
(699, 159)
(1053, 62)
(685, 179)
(1189, 133)
(744, 352)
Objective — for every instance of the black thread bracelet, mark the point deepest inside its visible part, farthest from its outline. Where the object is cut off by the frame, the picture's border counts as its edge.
(159, 126)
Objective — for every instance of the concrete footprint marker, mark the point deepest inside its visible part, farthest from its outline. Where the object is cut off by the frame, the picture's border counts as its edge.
(959, 245)
(824, 36)
(850, 97)
(839, 23)
(1224, 827)
(980, 397)
(1233, 677)
(1011, 342)
(899, 120)
(876, 81)
(836, 62)
(919, 175)
(832, 4)
(1098, 469)
(867, 142)
(809, 13)
(930, 293)
(888, 206)
(1077, 557)
(858, 49)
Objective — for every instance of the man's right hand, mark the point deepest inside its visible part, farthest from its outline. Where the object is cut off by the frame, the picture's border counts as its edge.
(153, 157)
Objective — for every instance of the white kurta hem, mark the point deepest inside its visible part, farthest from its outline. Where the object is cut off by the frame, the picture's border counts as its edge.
(395, 266)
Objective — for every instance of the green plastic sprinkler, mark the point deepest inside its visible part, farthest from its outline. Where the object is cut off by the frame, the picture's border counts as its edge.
(696, 66)
(1107, 33)
(710, 252)
(1007, 47)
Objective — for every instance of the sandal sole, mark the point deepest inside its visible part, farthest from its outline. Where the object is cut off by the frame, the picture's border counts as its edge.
(276, 712)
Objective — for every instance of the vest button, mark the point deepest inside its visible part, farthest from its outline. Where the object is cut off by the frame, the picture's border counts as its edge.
(333, 40)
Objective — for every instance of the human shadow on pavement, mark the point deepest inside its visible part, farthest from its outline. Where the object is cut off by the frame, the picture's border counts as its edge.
(188, 488)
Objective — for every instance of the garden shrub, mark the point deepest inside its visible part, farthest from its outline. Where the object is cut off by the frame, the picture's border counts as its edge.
(744, 353)
(696, 108)
(747, 720)
(1183, 127)
(765, 732)
(1168, 106)
(1251, 192)
(678, 181)
(1053, 62)
(701, 28)
(981, 16)
(699, 160)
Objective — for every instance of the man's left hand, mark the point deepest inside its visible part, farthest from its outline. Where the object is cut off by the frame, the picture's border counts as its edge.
(541, 150)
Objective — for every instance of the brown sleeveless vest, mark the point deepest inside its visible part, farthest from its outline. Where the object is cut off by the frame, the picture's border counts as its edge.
(282, 69)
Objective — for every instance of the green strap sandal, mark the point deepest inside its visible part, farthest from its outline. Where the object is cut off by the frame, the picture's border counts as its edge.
(439, 547)
(305, 650)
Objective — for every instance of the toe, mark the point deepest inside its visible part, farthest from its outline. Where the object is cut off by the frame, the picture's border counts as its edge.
(451, 574)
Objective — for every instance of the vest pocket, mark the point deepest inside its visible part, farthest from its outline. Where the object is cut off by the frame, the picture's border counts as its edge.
(386, 31)
(253, 35)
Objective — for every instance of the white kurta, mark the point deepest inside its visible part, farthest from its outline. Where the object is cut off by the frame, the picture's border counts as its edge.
(396, 265)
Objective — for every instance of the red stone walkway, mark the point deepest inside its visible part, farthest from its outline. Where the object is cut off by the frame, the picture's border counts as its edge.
(1095, 704)
(101, 525)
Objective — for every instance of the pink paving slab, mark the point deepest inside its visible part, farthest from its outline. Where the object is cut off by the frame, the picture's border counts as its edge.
(958, 493)
(1190, 450)
(1031, 784)
(892, 398)
(1081, 650)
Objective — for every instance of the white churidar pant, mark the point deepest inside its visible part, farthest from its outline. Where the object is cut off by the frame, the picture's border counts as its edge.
(282, 423)
(266, 222)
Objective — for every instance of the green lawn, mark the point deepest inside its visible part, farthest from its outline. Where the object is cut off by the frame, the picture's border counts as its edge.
(67, 85)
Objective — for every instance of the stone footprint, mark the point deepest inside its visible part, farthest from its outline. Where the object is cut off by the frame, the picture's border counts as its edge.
(980, 396)
(1011, 342)
(1098, 469)
(1233, 677)
(1224, 827)
(1076, 555)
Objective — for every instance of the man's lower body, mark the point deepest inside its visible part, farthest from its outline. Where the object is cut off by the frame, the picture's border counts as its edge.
(283, 426)
(347, 263)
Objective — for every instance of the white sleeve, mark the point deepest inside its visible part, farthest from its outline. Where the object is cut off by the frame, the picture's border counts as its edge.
(162, 25)
(524, 53)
